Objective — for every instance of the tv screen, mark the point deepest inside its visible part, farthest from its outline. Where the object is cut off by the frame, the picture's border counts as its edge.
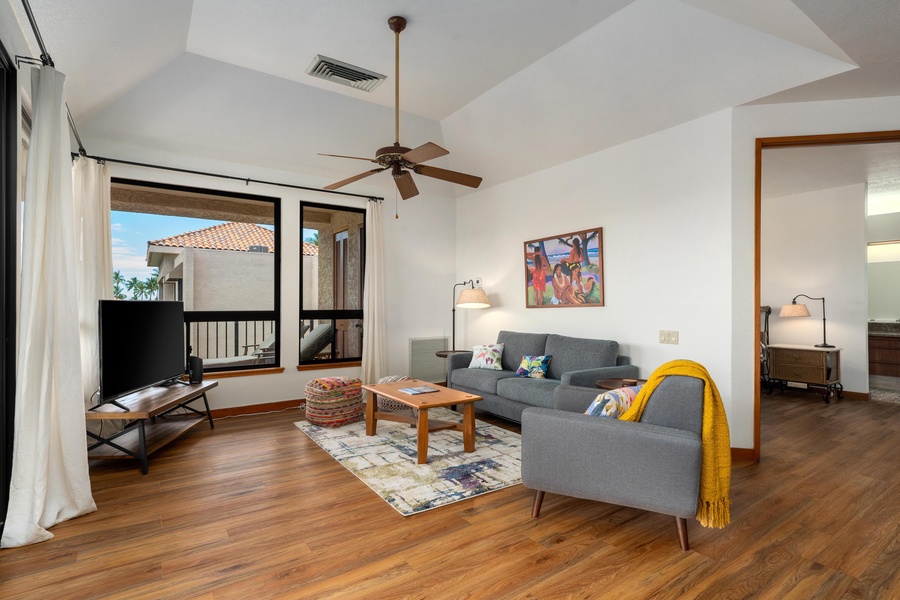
(141, 344)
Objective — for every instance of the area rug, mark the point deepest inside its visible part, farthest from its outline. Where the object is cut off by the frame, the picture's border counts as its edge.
(387, 461)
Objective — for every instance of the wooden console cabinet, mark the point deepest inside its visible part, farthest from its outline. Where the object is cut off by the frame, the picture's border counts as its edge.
(152, 422)
(816, 367)
(884, 355)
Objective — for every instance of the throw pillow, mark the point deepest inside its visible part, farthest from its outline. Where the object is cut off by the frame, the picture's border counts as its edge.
(613, 403)
(487, 357)
(533, 366)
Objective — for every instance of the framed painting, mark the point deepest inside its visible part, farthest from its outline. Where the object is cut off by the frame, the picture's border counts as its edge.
(565, 270)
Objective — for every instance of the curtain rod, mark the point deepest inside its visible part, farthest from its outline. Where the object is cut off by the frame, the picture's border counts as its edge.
(47, 61)
(246, 180)
(45, 56)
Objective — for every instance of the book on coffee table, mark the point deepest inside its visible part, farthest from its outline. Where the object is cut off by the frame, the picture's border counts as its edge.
(422, 389)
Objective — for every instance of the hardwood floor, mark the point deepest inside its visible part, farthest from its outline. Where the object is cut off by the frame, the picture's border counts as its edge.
(254, 509)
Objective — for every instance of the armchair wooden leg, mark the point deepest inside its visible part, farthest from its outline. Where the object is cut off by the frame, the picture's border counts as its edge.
(538, 499)
(681, 525)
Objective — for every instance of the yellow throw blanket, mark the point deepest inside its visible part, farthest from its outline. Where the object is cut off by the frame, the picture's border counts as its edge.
(714, 503)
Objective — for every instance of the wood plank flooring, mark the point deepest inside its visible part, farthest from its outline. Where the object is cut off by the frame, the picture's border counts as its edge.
(254, 509)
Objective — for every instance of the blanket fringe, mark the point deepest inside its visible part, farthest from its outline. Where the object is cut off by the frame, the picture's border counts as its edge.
(715, 513)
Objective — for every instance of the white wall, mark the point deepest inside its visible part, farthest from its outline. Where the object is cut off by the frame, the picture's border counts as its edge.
(884, 291)
(884, 277)
(814, 243)
(663, 204)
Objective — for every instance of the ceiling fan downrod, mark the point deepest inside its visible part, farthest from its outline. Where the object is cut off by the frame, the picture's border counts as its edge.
(397, 25)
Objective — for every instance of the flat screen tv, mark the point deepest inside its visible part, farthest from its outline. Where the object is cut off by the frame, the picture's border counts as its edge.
(141, 345)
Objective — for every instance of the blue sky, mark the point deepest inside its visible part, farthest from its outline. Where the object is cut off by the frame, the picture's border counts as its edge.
(132, 231)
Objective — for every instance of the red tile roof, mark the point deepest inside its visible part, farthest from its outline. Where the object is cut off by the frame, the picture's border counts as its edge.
(228, 236)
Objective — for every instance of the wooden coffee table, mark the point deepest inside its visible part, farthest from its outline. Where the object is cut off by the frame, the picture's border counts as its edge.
(422, 402)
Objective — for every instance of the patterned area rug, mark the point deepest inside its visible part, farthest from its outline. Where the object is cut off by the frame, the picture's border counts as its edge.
(879, 395)
(386, 462)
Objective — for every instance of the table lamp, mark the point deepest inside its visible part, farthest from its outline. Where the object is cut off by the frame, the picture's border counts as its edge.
(800, 310)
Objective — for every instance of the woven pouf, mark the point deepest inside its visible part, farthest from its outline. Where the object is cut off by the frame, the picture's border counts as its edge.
(386, 404)
(334, 401)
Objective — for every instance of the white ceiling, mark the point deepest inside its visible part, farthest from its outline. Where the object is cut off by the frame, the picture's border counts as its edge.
(508, 86)
(788, 171)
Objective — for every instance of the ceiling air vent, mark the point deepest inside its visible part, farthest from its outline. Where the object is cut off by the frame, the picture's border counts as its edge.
(340, 72)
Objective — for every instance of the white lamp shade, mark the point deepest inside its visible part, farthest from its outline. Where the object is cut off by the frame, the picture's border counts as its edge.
(472, 298)
(794, 310)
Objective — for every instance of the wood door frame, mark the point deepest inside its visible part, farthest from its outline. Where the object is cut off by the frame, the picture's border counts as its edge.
(792, 141)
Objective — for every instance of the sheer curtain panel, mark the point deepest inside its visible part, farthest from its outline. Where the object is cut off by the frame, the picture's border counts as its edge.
(93, 238)
(50, 481)
(373, 297)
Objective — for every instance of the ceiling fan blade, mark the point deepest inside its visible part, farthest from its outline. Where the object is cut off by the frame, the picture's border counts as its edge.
(451, 176)
(406, 185)
(425, 152)
(344, 182)
(342, 156)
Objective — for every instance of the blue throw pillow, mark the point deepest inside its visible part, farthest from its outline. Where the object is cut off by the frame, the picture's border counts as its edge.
(533, 366)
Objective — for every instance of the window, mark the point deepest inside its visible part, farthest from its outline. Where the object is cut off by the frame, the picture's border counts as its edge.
(9, 147)
(331, 272)
(214, 251)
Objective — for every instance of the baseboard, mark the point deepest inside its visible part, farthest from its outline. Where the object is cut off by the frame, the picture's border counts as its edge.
(253, 409)
(743, 454)
(855, 396)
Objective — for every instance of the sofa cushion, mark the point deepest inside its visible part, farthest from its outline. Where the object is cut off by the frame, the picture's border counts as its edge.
(516, 345)
(486, 357)
(575, 354)
(534, 392)
(480, 380)
(533, 366)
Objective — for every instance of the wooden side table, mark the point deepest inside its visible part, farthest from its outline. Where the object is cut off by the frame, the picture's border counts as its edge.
(616, 383)
(816, 367)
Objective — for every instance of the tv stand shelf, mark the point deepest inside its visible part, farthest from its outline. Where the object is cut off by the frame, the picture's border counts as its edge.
(152, 424)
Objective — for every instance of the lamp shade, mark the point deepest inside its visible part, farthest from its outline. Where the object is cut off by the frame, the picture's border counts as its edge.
(794, 310)
(472, 298)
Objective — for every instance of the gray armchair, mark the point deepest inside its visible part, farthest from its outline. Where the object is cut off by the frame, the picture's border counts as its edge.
(653, 464)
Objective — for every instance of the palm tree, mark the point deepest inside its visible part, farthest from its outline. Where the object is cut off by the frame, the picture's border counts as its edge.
(152, 284)
(313, 239)
(118, 282)
(133, 285)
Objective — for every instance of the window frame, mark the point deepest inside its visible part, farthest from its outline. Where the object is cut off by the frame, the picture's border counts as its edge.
(195, 316)
(9, 149)
(333, 315)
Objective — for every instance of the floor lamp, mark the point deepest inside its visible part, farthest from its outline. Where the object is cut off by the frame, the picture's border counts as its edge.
(800, 310)
(471, 297)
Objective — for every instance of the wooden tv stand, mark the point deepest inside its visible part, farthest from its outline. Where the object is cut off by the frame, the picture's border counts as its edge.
(151, 425)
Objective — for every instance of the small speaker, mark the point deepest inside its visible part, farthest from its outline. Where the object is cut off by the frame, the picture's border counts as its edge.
(195, 369)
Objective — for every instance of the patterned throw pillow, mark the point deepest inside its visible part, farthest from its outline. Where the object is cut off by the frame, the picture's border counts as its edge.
(614, 402)
(487, 357)
(533, 366)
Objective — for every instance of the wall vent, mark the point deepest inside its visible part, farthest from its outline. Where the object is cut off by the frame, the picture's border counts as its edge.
(343, 73)
(423, 364)
(258, 249)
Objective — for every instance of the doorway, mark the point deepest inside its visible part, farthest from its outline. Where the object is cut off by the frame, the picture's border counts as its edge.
(799, 142)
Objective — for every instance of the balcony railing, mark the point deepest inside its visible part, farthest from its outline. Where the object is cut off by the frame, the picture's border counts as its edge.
(227, 340)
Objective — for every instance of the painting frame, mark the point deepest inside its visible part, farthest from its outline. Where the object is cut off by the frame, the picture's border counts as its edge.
(555, 259)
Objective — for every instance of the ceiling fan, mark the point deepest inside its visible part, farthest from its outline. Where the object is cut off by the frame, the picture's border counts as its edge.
(400, 160)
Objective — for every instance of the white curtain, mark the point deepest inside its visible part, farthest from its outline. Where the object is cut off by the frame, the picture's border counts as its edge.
(93, 239)
(50, 481)
(373, 298)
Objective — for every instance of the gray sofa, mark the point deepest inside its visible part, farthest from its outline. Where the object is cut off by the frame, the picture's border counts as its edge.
(653, 464)
(575, 361)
